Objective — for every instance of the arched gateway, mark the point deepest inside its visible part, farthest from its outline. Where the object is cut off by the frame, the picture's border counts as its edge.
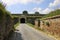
(22, 20)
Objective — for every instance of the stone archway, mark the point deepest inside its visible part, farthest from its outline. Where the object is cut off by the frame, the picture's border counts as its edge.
(22, 20)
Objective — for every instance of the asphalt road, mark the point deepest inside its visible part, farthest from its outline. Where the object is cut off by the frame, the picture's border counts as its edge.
(25, 32)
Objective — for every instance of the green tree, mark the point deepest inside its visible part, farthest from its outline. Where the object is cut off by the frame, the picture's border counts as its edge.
(25, 12)
(36, 12)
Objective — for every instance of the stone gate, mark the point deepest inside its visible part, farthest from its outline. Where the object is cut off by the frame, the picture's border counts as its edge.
(28, 18)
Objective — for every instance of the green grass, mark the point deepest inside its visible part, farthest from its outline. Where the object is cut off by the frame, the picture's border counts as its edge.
(34, 26)
(15, 26)
(52, 13)
(30, 24)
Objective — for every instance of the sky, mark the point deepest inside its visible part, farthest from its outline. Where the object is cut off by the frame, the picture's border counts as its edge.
(42, 6)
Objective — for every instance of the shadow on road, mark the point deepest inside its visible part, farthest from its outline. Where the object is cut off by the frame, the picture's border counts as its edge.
(15, 36)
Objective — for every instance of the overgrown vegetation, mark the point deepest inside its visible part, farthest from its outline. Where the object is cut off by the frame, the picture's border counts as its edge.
(30, 24)
(47, 23)
(52, 13)
(7, 22)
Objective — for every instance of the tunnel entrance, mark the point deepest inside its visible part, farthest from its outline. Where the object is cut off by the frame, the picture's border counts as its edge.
(22, 20)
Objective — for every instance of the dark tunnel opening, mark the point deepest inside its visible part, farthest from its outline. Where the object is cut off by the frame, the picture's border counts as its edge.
(22, 20)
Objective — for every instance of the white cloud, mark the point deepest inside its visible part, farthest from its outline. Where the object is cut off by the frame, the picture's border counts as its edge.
(55, 3)
(47, 10)
(37, 1)
(37, 9)
(11, 2)
(59, 8)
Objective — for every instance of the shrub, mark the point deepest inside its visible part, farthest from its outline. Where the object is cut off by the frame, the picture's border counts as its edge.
(48, 24)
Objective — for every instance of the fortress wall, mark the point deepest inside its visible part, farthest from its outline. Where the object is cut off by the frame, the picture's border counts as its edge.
(16, 20)
(2, 24)
(51, 26)
(36, 24)
(7, 23)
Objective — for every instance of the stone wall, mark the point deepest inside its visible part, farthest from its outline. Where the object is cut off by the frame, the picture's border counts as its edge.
(50, 25)
(6, 25)
(37, 23)
(6, 22)
(16, 20)
(9, 24)
(2, 25)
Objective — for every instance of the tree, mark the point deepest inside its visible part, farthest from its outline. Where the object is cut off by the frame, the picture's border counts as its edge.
(25, 12)
(36, 12)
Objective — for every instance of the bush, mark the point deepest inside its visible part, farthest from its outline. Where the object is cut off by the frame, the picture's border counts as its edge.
(48, 24)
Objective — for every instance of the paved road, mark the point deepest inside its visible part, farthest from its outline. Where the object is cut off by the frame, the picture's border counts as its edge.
(25, 32)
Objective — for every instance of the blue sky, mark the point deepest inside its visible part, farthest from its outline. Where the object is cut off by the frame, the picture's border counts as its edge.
(42, 6)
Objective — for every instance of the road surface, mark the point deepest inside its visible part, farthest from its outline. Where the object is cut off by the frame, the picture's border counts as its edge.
(25, 32)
